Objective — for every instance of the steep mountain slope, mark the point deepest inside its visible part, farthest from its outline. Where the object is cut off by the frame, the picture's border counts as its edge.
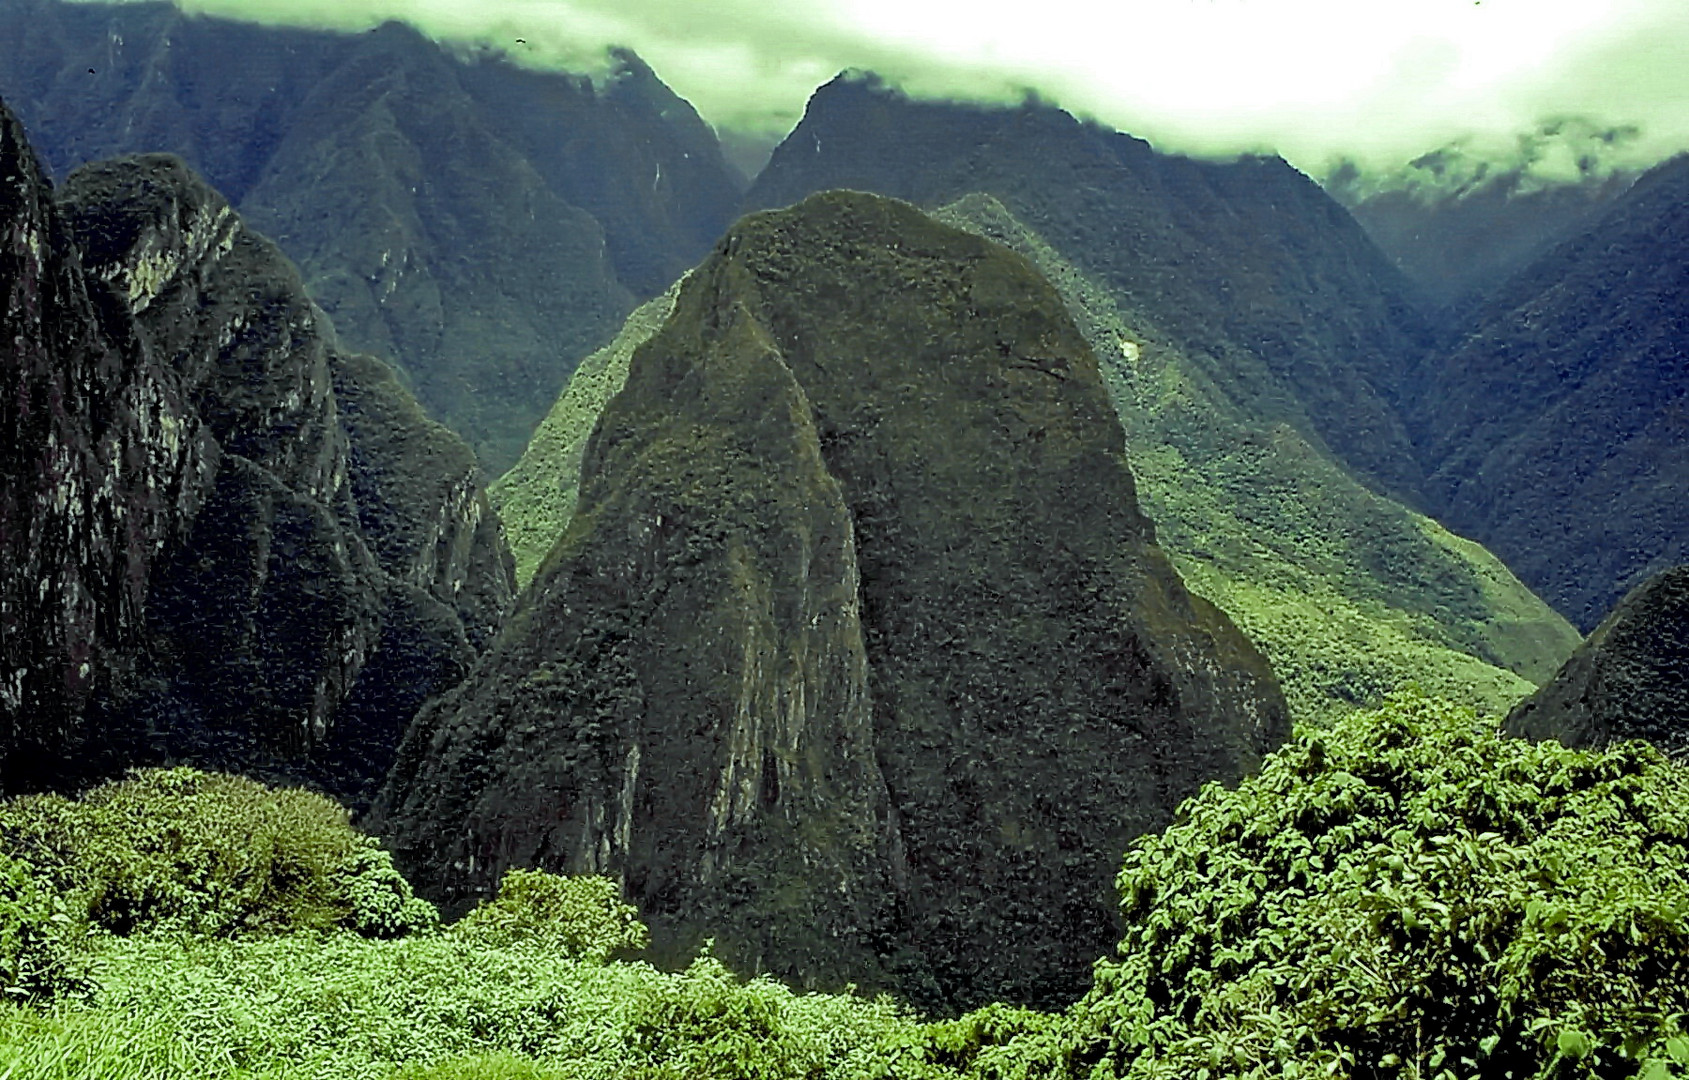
(1349, 593)
(857, 653)
(1554, 430)
(1266, 283)
(536, 498)
(485, 225)
(226, 541)
(1255, 508)
(1629, 680)
(1458, 229)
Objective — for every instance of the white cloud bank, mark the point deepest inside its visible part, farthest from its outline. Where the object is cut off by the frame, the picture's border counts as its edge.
(1376, 80)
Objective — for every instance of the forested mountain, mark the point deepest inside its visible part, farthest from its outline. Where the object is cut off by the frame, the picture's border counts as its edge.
(225, 540)
(1266, 281)
(483, 225)
(858, 653)
(1457, 241)
(1555, 430)
(1256, 346)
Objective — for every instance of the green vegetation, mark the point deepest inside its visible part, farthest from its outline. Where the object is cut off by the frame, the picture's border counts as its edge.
(1350, 594)
(1404, 894)
(582, 918)
(536, 498)
(1408, 894)
(201, 854)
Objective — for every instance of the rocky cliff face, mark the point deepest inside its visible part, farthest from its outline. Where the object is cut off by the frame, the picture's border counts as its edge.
(103, 460)
(483, 225)
(1629, 679)
(1554, 430)
(246, 548)
(857, 653)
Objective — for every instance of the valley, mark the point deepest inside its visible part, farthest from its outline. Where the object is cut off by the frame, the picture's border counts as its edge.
(490, 590)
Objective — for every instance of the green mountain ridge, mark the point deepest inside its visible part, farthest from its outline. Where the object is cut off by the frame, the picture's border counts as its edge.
(1349, 593)
(482, 225)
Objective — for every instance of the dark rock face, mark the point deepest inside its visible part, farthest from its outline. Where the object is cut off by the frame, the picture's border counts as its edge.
(483, 225)
(1629, 679)
(102, 459)
(1255, 272)
(858, 653)
(227, 541)
(1554, 430)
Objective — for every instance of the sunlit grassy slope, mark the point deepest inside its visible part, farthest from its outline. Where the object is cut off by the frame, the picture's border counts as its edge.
(1348, 592)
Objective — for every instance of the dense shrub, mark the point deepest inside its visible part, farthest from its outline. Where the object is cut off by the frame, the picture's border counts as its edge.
(203, 853)
(580, 917)
(382, 903)
(37, 935)
(340, 1007)
(1407, 895)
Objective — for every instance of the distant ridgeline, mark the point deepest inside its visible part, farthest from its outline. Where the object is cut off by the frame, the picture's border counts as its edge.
(1555, 429)
(222, 539)
(857, 653)
(484, 225)
(1251, 340)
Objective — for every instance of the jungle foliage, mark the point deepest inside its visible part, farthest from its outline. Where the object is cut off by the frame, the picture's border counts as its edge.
(1402, 894)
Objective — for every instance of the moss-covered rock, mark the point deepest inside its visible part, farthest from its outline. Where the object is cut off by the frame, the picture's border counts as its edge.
(1628, 680)
(857, 652)
(229, 542)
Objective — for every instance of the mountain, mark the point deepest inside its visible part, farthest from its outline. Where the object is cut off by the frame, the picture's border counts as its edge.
(1256, 346)
(1554, 429)
(1264, 279)
(226, 540)
(485, 225)
(1459, 227)
(536, 498)
(857, 653)
(1629, 679)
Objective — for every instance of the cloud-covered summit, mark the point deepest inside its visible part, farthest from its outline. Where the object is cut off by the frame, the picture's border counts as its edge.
(1317, 81)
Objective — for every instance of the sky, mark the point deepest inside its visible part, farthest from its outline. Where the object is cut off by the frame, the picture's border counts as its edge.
(1378, 82)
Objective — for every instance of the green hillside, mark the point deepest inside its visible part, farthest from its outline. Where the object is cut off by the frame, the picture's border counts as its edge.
(1349, 593)
(536, 498)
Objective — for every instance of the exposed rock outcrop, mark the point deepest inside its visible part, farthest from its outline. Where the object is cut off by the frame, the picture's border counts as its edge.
(858, 653)
(1629, 679)
(226, 541)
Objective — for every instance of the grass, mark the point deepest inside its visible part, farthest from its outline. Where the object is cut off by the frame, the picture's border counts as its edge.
(341, 1007)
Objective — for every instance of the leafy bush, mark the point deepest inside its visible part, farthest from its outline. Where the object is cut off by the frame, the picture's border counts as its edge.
(383, 905)
(204, 853)
(1408, 895)
(37, 930)
(580, 918)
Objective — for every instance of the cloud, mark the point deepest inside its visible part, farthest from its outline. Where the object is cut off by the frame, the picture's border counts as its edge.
(1379, 82)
